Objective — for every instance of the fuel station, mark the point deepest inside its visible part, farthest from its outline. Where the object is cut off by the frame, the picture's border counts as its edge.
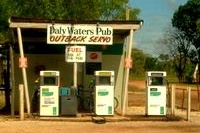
(49, 93)
(156, 93)
(67, 54)
(104, 93)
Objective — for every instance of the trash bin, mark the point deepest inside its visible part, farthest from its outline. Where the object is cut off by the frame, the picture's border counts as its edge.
(68, 102)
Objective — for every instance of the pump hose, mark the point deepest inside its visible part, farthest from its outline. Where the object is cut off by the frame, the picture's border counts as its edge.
(98, 120)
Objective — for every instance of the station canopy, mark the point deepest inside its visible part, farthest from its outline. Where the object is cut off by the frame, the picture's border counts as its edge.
(34, 34)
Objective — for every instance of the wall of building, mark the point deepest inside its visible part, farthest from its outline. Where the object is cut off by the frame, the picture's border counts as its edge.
(57, 62)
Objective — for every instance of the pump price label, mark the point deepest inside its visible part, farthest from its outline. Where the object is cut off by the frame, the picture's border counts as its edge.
(75, 54)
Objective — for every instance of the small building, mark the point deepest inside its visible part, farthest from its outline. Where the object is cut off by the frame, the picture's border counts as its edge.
(32, 53)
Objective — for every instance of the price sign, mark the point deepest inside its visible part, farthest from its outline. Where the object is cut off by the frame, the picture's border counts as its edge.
(75, 53)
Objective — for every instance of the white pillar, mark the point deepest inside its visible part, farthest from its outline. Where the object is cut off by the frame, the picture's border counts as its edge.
(173, 94)
(21, 101)
(75, 74)
(128, 56)
(23, 70)
(188, 103)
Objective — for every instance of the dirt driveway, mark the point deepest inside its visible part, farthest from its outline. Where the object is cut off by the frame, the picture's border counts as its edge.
(88, 127)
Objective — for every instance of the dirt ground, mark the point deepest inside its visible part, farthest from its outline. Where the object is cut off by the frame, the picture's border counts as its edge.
(136, 104)
(88, 127)
(136, 96)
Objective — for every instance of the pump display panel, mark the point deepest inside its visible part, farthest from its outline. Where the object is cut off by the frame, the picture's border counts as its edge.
(104, 93)
(156, 81)
(49, 81)
(103, 80)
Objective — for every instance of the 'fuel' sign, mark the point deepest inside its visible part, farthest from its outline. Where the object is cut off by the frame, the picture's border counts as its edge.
(75, 53)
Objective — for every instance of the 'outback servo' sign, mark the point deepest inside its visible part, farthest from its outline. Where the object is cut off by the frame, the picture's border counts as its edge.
(79, 34)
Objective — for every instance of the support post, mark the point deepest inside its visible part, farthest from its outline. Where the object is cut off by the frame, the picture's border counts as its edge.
(21, 101)
(13, 83)
(23, 70)
(189, 104)
(128, 56)
(173, 99)
(75, 74)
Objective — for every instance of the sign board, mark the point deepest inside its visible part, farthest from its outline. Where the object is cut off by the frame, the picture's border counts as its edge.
(94, 56)
(75, 53)
(79, 34)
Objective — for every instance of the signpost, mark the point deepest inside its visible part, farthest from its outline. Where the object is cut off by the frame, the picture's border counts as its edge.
(75, 54)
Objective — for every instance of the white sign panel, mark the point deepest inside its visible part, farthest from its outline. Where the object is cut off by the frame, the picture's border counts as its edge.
(75, 53)
(79, 34)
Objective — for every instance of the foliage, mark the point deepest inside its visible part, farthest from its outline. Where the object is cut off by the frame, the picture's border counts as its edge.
(150, 63)
(187, 20)
(138, 58)
(143, 62)
(63, 9)
(178, 48)
(4, 11)
(198, 25)
(189, 73)
(166, 64)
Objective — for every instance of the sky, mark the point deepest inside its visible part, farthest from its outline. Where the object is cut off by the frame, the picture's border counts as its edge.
(157, 15)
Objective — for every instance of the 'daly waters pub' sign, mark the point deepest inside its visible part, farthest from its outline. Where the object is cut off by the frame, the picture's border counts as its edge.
(79, 34)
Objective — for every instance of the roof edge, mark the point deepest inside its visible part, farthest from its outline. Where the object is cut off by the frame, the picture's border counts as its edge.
(41, 20)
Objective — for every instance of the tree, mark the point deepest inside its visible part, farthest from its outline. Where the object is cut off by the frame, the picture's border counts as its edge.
(143, 62)
(178, 47)
(151, 64)
(138, 58)
(198, 25)
(64, 9)
(4, 11)
(186, 19)
(166, 64)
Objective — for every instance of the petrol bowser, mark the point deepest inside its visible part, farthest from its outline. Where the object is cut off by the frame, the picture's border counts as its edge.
(104, 93)
(156, 90)
(49, 93)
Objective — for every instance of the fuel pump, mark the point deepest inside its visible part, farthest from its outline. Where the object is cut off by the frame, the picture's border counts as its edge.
(49, 93)
(104, 93)
(156, 93)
